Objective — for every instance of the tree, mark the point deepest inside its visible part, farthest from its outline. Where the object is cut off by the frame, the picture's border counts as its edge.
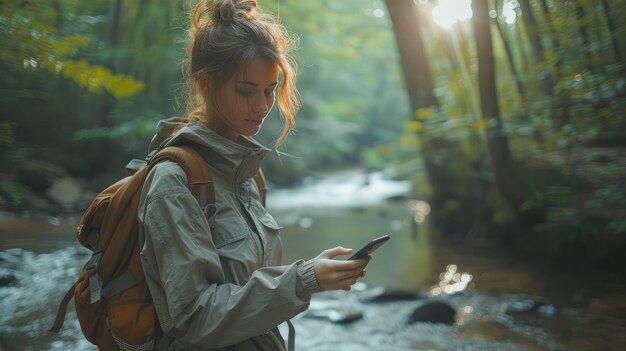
(497, 141)
(532, 29)
(611, 26)
(445, 163)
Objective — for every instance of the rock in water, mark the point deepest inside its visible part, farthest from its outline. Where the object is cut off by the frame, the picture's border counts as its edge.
(434, 312)
(39, 175)
(383, 295)
(7, 279)
(64, 191)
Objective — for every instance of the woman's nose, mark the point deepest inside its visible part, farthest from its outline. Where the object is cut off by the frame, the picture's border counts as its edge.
(259, 106)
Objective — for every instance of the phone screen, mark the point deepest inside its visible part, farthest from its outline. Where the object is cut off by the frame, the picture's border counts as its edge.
(370, 247)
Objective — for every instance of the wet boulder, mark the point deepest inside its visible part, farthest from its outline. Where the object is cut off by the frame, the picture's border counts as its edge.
(333, 311)
(42, 186)
(436, 312)
(529, 305)
(64, 191)
(382, 295)
(15, 196)
(39, 175)
(7, 279)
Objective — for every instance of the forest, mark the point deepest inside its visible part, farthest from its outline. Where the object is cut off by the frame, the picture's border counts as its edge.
(508, 116)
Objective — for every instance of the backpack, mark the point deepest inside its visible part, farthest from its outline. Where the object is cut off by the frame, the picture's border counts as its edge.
(113, 303)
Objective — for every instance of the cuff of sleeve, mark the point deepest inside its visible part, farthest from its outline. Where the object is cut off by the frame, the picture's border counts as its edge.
(306, 271)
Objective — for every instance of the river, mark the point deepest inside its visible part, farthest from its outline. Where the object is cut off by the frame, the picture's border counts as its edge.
(502, 301)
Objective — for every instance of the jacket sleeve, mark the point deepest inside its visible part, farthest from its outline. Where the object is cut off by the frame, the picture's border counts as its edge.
(186, 279)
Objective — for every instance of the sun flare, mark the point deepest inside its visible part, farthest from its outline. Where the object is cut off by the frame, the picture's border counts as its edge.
(449, 12)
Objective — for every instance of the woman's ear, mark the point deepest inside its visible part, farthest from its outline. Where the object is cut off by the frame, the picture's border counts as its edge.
(204, 82)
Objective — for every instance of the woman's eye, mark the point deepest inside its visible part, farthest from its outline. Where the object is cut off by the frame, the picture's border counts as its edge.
(245, 92)
(270, 93)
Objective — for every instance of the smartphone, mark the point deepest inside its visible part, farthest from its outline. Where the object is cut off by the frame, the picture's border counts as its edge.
(370, 247)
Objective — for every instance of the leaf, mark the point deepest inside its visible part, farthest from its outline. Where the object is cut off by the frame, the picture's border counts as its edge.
(96, 78)
(425, 113)
(617, 227)
(414, 126)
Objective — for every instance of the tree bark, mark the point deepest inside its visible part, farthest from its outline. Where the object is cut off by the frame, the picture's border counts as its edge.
(509, 56)
(532, 29)
(442, 158)
(581, 13)
(507, 181)
(611, 26)
(556, 44)
(417, 76)
(115, 14)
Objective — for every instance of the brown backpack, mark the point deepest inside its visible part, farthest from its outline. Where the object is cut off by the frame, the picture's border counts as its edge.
(112, 299)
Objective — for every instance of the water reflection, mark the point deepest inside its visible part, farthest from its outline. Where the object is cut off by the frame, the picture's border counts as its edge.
(451, 282)
(419, 210)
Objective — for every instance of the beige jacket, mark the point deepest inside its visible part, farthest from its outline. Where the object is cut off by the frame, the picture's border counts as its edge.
(226, 289)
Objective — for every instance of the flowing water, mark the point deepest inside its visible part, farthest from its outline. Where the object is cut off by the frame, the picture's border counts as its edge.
(502, 301)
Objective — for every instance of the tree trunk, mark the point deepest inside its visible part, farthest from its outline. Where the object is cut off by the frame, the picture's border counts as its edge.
(417, 76)
(532, 29)
(611, 25)
(511, 61)
(441, 157)
(507, 179)
(520, 43)
(581, 13)
(115, 14)
(556, 45)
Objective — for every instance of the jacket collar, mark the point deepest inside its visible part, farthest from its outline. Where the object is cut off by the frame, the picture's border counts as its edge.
(238, 161)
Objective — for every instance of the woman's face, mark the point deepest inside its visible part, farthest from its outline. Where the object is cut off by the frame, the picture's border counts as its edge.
(246, 99)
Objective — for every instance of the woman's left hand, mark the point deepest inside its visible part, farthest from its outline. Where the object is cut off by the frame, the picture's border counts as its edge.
(335, 274)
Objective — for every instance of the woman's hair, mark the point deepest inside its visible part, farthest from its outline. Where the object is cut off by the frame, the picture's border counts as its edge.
(225, 36)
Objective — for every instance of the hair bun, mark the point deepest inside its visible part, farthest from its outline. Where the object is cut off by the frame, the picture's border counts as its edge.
(224, 11)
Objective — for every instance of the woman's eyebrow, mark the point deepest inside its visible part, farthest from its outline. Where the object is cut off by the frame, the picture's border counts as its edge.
(246, 82)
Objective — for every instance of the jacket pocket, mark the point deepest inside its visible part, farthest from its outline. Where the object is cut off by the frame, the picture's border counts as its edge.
(229, 230)
(264, 217)
(238, 250)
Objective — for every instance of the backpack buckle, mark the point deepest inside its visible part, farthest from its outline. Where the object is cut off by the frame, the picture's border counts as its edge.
(94, 262)
(95, 284)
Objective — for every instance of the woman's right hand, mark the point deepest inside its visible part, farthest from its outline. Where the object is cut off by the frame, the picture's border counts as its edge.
(334, 274)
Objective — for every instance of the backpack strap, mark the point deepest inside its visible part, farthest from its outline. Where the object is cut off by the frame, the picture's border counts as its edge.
(291, 343)
(60, 317)
(199, 176)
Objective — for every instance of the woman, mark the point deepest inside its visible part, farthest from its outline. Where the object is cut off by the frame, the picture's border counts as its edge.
(227, 288)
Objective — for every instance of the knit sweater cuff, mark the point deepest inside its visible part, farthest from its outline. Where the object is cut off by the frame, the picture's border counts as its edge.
(306, 271)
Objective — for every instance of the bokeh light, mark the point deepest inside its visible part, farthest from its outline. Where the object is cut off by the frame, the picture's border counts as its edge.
(449, 12)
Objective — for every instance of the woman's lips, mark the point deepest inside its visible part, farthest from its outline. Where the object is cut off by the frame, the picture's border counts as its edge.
(257, 122)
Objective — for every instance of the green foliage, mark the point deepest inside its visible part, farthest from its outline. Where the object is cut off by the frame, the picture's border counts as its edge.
(31, 41)
(12, 192)
(610, 200)
(7, 132)
(568, 211)
(558, 201)
(349, 81)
